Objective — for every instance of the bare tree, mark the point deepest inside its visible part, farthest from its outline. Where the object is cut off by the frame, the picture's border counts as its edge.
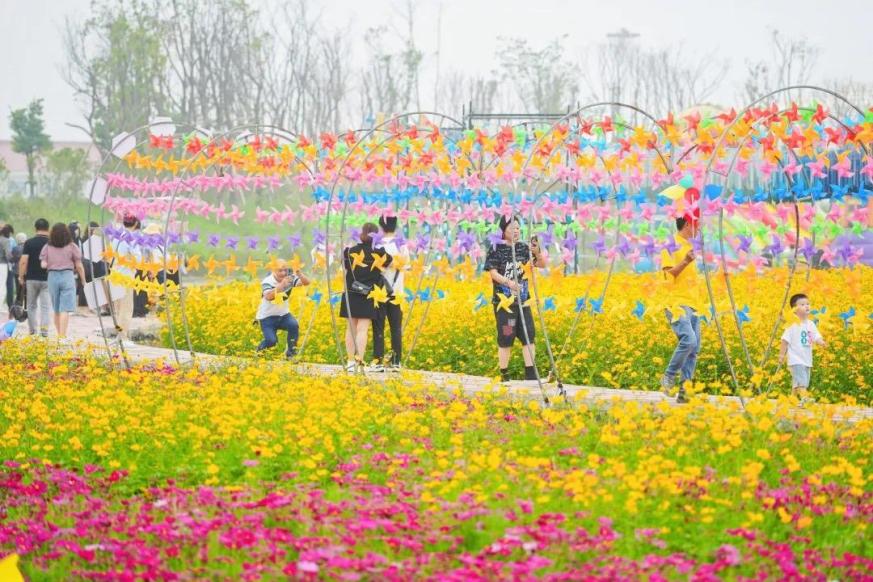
(792, 61)
(544, 79)
(657, 81)
(307, 80)
(116, 68)
(457, 89)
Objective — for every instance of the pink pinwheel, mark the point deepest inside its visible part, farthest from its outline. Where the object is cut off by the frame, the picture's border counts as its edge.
(235, 214)
(288, 215)
(843, 168)
(835, 214)
(816, 169)
(767, 169)
(627, 211)
(567, 256)
(793, 168)
(261, 216)
(742, 167)
(275, 216)
(220, 212)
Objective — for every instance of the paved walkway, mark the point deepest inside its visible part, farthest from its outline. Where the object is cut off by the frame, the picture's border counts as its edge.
(85, 328)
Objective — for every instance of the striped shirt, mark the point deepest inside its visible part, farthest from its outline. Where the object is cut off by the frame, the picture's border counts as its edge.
(268, 308)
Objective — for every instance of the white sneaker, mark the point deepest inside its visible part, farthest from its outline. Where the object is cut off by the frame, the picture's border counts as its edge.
(394, 368)
(378, 368)
(351, 366)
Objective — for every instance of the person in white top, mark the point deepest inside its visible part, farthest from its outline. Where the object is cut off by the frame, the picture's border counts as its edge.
(797, 343)
(394, 276)
(123, 307)
(274, 315)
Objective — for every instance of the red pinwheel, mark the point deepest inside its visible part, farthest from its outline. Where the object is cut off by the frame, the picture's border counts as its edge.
(194, 145)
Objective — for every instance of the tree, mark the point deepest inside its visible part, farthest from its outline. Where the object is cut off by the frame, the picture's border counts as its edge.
(29, 137)
(65, 173)
(792, 61)
(117, 68)
(545, 80)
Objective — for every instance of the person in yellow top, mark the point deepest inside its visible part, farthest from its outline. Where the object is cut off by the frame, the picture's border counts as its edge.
(678, 265)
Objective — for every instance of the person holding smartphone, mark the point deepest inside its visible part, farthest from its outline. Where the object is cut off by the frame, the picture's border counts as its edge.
(505, 263)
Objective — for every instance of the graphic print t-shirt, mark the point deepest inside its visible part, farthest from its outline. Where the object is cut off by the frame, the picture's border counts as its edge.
(500, 257)
(268, 308)
(800, 338)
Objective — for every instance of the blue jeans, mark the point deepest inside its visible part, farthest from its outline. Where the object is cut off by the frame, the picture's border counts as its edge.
(271, 325)
(687, 330)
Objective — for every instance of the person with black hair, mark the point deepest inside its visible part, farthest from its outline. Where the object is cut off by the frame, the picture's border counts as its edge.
(6, 245)
(391, 312)
(363, 265)
(679, 265)
(797, 342)
(33, 278)
(62, 259)
(505, 263)
(123, 307)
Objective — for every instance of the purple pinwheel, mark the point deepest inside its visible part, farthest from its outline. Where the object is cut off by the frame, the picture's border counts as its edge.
(399, 240)
(697, 244)
(422, 241)
(807, 249)
(213, 240)
(193, 236)
(173, 238)
(376, 239)
(318, 237)
(845, 252)
(599, 246)
(294, 241)
(495, 238)
(671, 246)
(547, 237)
(231, 242)
(623, 246)
(744, 243)
(272, 243)
(775, 248)
(355, 235)
(569, 241)
(252, 242)
(466, 241)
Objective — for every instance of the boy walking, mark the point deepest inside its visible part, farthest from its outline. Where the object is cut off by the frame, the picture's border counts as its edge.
(797, 344)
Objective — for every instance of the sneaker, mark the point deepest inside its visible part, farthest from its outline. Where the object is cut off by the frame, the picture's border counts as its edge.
(351, 365)
(394, 368)
(667, 383)
(376, 368)
(681, 398)
(291, 354)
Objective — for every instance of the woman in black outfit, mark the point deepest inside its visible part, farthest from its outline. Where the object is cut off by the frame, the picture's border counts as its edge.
(363, 270)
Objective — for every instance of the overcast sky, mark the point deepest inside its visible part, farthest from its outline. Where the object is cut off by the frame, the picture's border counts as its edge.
(31, 52)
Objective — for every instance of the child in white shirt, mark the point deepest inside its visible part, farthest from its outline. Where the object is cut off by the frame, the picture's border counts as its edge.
(797, 344)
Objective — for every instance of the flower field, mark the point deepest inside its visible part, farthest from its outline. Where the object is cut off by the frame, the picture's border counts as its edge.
(258, 473)
(623, 342)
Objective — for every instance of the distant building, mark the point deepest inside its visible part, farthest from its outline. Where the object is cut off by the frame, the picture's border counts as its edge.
(16, 164)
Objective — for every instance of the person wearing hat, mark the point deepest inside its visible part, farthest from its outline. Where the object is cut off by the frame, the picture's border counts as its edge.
(391, 312)
(510, 293)
(678, 267)
(126, 246)
(275, 315)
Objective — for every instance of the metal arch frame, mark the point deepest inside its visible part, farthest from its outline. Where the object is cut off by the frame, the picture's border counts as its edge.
(240, 131)
(665, 161)
(408, 318)
(101, 170)
(333, 187)
(710, 171)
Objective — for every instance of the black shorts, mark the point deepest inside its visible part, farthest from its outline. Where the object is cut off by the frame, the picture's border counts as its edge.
(509, 326)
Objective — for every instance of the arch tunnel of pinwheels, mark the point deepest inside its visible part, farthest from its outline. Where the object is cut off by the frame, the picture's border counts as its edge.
(210, 452)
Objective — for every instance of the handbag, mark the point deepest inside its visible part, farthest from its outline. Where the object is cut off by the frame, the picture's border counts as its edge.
(18, 311)
(357, 287)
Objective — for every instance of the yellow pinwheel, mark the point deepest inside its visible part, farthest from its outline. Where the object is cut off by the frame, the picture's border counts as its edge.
(504, 302)
(378, 295)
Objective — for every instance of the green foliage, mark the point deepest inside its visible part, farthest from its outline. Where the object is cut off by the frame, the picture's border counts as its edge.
(29, 137)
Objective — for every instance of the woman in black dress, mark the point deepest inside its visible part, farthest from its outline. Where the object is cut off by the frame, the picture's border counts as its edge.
(363, 271)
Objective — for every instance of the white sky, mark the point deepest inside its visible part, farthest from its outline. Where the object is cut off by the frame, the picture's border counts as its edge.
(31, 52)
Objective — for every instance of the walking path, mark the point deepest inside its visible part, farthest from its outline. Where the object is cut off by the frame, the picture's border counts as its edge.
(85, 328)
